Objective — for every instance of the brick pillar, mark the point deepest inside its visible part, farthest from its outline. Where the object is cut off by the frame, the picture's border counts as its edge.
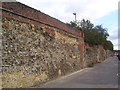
(81, 48)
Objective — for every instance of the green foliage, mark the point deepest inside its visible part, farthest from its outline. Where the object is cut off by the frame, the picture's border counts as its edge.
(73, 24)
(90, 64)
(108, 45)
(86, 25)
(93, 35)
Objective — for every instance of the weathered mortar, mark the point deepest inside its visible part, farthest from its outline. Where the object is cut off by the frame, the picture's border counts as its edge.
(35, 52)
(29, 53)
(95, 54)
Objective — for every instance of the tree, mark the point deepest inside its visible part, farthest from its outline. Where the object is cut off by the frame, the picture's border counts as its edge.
(108, 45)
(73, 24)
(102, 31)
(93, 35)
(86, 25)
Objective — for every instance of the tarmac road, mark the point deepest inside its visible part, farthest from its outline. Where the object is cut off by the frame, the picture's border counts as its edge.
(102, 75)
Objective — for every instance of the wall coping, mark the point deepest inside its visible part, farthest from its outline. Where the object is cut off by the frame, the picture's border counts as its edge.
(31, 13)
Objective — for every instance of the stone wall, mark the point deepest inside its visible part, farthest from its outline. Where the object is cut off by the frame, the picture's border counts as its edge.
(38, 48)
(95, 54)
(31, 55)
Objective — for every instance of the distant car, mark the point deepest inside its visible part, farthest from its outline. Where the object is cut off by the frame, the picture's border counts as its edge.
(118, 55)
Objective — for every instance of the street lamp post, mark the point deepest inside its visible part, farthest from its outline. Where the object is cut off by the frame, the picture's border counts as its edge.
(75, 16)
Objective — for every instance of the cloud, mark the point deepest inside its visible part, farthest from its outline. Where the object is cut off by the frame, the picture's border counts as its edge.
(114, 37)
(113, 34)
(64, 9)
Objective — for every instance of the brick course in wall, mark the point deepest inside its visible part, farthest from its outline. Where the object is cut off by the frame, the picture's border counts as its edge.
(31, 13)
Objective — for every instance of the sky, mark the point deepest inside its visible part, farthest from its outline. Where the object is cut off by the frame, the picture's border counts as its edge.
(99, 12)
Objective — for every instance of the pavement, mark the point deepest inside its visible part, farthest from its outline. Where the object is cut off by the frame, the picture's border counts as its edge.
(102, 75)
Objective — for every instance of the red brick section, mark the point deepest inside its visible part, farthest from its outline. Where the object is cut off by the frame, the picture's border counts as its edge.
(29, 12)
(94, 46)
